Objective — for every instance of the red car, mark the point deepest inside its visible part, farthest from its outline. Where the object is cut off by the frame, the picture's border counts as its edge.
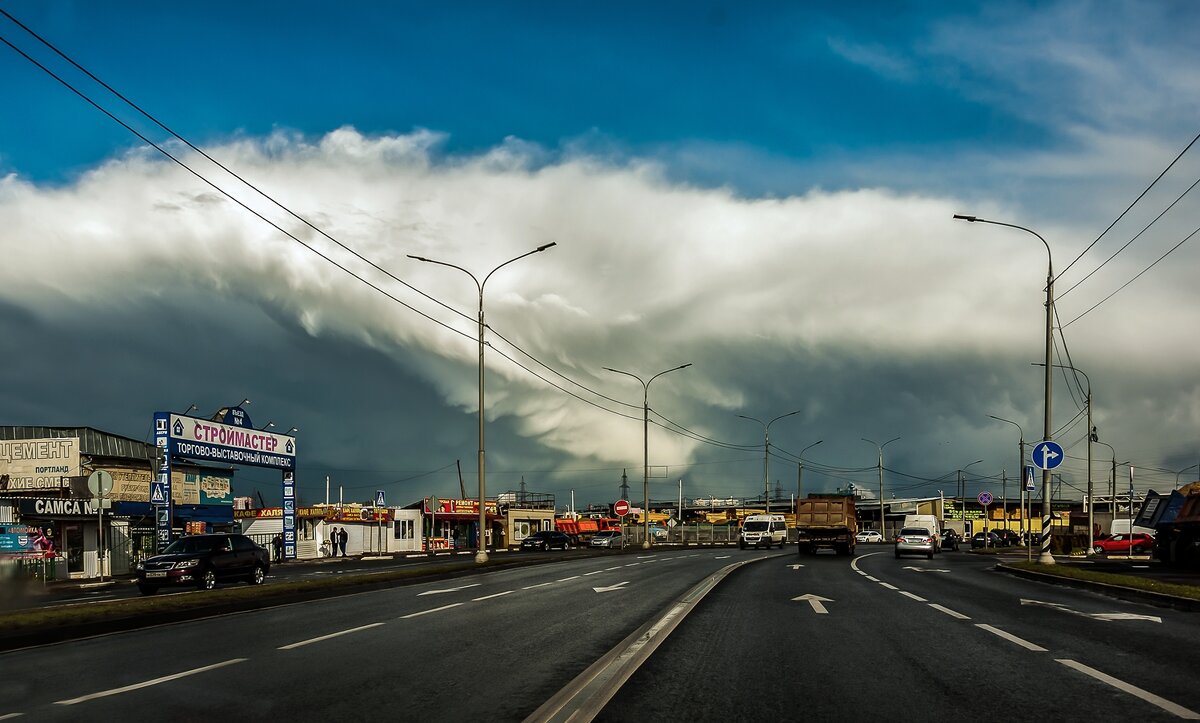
(1137, 543)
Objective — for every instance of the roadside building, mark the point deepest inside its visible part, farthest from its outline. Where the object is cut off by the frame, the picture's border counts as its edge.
(48, 514)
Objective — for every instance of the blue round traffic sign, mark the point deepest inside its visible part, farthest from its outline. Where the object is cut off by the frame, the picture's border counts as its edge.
(985, 498)
(1048, 455)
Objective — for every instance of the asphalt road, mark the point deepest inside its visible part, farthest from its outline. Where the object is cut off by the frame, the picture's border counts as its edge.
(870, 637)
(947, 638)
(492, 646)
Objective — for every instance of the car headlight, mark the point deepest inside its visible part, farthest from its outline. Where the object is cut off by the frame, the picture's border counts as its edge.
(186, 563)
(140, 566)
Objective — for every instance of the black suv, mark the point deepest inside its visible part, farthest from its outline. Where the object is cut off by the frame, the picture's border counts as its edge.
(546, 539)
(202, 561)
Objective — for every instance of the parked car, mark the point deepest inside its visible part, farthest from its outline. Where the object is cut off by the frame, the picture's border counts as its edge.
(608, 539)
(546, 540)
(950, 539)
(985, 539)
(658, 533)
(915, 540)
(1138, 543)
(203, 561)
(1008, 537)
(869, 536)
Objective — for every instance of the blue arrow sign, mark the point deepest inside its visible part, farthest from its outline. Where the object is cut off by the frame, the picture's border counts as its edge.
(1048, 455)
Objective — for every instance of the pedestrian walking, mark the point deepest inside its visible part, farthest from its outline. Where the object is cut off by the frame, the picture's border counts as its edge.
(278, 544)
(342, 537)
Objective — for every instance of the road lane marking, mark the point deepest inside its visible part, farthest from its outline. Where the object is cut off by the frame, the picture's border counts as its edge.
(888, 585)
(948, 611)
(610, 588)
(616, 567)
(815, 601)
(6, 716)
(633, 564)
(148, 683)
(426, 612)
(540, 584)
(489, 597)
(597, 572)
(327, 637)
(1011, 638)
(568, 578)
(1133, 690)
(918, 598)
(873, 579)
(1105, 617)
(449, 589)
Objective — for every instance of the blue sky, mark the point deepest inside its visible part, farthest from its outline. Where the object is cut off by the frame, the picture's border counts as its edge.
(763, 190)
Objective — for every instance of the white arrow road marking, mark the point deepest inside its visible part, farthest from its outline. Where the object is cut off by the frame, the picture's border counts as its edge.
(815, 601)
(794, 567)
(449, 589)
(924, 569)
(610, 588)
(1094, 616)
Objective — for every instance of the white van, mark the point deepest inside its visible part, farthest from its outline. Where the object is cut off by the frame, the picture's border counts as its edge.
(929, 522)
(758, 530)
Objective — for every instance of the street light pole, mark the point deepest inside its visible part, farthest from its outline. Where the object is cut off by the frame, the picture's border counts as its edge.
(1020, 471)
(767, 454)
(1047, 515)
(481, 555)
(1112, 482)
(1091, 437)
(800, 476)
(962, 500)
(646, 445)
(879, 448)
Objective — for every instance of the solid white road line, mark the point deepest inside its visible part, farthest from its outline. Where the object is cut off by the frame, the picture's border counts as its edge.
(1012, 638)
(948, 611)
(148, 683)
(918, 598)
(489, 597)
(426, 612)
(889, 586)
(1133, 690)
(6, 716)
(327, 637)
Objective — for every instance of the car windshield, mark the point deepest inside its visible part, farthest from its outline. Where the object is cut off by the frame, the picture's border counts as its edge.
(755, 526)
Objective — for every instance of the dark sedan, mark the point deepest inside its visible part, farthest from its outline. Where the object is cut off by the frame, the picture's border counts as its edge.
(985, 539)
(950, 540)
(546, 540)
(203, 561)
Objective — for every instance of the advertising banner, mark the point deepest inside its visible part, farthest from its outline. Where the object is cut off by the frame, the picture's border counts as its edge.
(200, 439)
(38, 465)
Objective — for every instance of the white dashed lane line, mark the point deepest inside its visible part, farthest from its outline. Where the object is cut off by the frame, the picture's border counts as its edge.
(918, 598)
(1168, 706)
(948, 611)
(302, 643)
(426, 612)
(1011, 638)
(148, 683)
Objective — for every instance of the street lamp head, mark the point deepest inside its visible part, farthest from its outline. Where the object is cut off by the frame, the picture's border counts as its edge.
(292, 430)
(244, 401)
(961, 217)
(418, 258)
(189, 409)
(268, 426)
(543, 247)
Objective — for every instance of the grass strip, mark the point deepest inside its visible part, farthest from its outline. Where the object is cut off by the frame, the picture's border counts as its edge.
(1107, 578)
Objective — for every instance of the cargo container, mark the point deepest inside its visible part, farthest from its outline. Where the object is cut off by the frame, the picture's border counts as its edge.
(826, 521)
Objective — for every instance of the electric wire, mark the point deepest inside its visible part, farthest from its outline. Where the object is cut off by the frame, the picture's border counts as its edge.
(1130, 241)
(1135, 278)
(1131, 205)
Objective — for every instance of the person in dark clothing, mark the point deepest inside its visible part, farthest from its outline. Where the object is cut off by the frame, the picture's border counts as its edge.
(277, 543)
(342, 537)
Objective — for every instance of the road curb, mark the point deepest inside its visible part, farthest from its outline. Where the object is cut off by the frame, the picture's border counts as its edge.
(583, 698)
(1130, 594)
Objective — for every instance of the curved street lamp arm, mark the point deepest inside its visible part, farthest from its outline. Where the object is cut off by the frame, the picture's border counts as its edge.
(539, 249)
(628, 374)
(814, 444)
(453, 266)
(673, 369)
(1002, 419)
(976, 219)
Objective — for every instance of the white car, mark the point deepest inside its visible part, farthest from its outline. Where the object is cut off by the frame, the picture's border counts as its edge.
(869, 536)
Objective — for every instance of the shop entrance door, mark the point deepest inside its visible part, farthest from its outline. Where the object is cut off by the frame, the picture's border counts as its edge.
(73, 546)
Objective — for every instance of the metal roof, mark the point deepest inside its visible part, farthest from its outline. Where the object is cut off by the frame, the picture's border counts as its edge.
(92, 442)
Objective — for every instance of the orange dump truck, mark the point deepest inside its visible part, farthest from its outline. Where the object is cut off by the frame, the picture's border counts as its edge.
(826, 521)
(581, 529)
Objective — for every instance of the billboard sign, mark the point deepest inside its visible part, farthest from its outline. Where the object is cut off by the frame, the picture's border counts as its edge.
(38, 465)
(200, 439)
